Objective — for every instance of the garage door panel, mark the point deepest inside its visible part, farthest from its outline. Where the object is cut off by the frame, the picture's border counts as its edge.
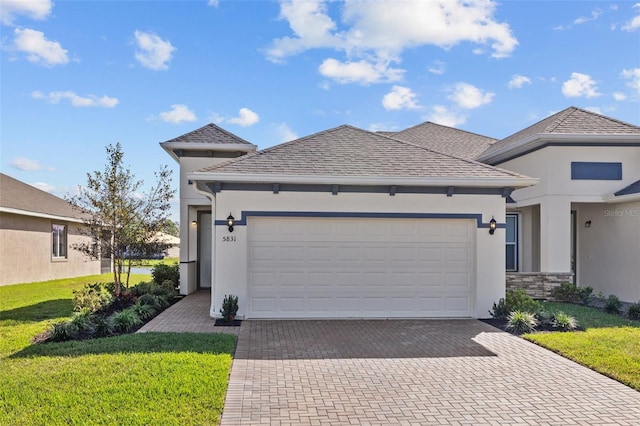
(360, 268)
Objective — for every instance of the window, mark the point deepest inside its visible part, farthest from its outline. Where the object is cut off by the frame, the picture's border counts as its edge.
(59, 240)
(512, 242)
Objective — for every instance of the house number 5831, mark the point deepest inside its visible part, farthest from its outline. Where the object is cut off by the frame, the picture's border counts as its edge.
(229, 239)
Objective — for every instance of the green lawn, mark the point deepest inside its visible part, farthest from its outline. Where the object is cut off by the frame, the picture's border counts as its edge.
(610, 344)
(136, 379)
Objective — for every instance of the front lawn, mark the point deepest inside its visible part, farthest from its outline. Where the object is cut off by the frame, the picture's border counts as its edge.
(610, 344)
(136, 379)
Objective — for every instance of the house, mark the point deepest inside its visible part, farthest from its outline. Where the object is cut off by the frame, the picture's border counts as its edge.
(427, 222)
(37, 231)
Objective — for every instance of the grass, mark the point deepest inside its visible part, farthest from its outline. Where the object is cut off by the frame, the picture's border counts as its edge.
(610, 344)
(149, 263)
(136, 379)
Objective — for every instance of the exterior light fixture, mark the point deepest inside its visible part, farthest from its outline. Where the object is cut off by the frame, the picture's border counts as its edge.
(492, 226)
(230, 221)
(587, 224)
(194, 222)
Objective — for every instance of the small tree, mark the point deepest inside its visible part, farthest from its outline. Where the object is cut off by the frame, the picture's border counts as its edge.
(122, 223)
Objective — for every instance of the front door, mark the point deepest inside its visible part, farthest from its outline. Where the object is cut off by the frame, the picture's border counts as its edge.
(204, 250)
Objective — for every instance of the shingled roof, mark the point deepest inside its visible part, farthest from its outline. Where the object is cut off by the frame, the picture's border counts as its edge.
(346, 151)
(18, 195)
(447, 140)
(209, 134)
(569, 121)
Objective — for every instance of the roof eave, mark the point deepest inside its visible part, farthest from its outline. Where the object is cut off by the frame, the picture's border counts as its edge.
(199, 146)
(628, 198)
(540, 139)
(473, 181)
(41, 215)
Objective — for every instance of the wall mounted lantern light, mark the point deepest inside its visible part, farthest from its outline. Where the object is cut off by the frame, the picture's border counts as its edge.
(492, 226)
(230, 221)
(194, 222)
(587, 224)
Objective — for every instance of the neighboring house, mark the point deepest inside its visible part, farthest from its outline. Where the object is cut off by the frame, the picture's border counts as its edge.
(351, 223)
(37, 231)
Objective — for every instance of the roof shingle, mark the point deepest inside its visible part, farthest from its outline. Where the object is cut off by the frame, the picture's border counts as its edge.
(20, 196)
(569, 121)
(351, 152)
(210, 134)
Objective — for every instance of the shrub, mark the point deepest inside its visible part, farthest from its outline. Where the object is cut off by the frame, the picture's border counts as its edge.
(516, 300)
(83, 321)
(229, 307)
(125, 320)
(521, 322)
(144, 311)
(162, 272)
(63, 330)
(142, 288)
(612, 305)
(634, 311)
(564, 321)
(148, 299)
(92, 298)
(569, 292)
(103, 327)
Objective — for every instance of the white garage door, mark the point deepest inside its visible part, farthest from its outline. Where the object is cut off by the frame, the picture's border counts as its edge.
(360, 268)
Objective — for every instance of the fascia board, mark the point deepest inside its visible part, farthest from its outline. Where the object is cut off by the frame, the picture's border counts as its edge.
(40, 215)
(170, 146)
(497, 182)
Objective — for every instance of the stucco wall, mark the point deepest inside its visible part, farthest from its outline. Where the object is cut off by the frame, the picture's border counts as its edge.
(609, 250)
(230, 267)
(25, 251)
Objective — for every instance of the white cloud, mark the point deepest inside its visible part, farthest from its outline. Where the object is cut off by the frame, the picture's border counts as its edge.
(438, 68)
(10, 9)
(179, 113)
(285, 134)
(213, 3)
(76, 100)
(362, 72)
(42, 186)
(245, 118)
(517, 81)
(634, 23)
(442, 115)
(633, 78)
(39, 50)
(468, 96)
(597, 110)
(400, 98)
(376, 32)
(595, 14)
(27, 164)
(580, 85)
(154, 53)
(619, 96)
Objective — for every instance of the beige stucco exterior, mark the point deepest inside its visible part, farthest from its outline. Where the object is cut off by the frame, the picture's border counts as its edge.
(26, 250)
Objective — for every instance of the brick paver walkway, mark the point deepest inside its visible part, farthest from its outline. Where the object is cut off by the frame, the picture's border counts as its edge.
(400, 372)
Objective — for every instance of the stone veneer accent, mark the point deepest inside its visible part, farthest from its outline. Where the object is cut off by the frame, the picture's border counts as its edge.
(537, 284)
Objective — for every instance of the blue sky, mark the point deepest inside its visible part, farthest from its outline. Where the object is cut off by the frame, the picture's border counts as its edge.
(78, 75)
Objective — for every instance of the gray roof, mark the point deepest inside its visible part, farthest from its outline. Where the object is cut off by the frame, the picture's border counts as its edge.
(210, 134)
(569, 121)
(20, 196)
(634, 188)
(446, 140)
(351, 152)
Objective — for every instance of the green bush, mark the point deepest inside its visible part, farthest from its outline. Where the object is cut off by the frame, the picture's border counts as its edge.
(144, 311)
(162, 272)
(125, 320)
(229, 307)
(521, 322)
(92, 298)
(142, 288)
(564, 321)
(634, 311)
(103, 327)
(516, 300)
(612, 305)
(149, 299)
(569, 292)
(63, 330)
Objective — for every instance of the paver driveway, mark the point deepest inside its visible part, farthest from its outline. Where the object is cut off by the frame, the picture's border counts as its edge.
(412, 372)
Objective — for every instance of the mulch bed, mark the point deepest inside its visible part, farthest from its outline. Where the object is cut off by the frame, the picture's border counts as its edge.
(501, 323)
(220, 322)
